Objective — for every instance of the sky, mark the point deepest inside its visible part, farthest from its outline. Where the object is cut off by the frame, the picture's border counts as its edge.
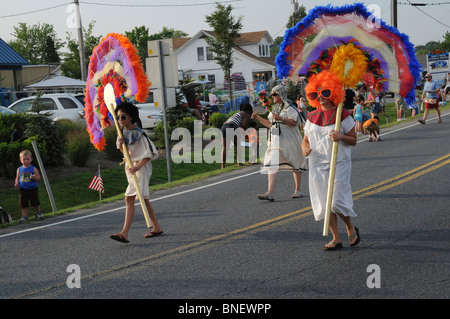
(119, 16)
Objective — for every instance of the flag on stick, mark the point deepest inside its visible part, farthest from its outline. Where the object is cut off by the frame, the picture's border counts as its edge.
(97, 182)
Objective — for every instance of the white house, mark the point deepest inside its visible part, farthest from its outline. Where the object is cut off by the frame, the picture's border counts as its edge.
(251, 56)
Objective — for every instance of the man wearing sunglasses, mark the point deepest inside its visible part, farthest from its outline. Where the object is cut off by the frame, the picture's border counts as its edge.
(431, 89)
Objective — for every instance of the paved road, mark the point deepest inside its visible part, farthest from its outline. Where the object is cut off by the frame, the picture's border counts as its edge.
(221, 242)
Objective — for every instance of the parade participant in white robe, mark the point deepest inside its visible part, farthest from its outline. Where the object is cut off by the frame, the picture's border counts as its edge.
(284, 150)
(141, 151)
(324, 91)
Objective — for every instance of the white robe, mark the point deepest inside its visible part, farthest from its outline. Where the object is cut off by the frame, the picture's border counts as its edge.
(139, 150)
(319, 170)
(284, 149)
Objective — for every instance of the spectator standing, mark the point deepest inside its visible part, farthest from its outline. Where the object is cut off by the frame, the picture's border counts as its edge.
(213, 100)
(27, 179)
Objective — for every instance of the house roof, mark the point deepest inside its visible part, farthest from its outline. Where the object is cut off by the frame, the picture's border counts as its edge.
(245, 39)
(58, 82)
(9, 58)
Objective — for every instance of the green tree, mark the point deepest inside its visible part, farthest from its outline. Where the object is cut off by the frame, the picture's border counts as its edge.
(445, 45)
(168, 33)
(226, 29)
(296, 17)
(139, 36)
(50, 54)
(33, 42)
(71, 61)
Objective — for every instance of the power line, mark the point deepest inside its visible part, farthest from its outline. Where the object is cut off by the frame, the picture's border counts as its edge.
(116, 5)
(423, 4)
(415, 6)
(34, 11)
(155, 5)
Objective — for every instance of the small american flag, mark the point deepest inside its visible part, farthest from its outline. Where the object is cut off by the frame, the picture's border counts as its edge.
(97, 182)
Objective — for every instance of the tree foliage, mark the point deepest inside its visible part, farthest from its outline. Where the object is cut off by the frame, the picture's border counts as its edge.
(139, 36)
(71, 61)
(226, 29)
(38, 43)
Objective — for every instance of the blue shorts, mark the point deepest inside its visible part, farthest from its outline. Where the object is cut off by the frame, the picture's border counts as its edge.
(375, 108)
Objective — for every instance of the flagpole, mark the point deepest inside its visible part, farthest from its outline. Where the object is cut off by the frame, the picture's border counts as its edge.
(99, 175)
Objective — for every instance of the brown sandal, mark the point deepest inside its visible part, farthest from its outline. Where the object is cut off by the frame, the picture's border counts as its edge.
(153, 234)
(119, 237)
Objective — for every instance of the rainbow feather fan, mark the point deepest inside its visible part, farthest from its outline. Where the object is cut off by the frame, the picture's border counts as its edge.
(114, 60)
(311, 45)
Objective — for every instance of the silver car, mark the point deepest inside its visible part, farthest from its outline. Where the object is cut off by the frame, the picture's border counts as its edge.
(61, 106)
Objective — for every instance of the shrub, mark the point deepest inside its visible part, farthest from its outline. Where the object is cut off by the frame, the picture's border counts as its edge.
(217, 119)
(45, 129)
(78, 147)
(112, 152)
(6, 124)
(159, 132)
(9, 155)
(187, 122)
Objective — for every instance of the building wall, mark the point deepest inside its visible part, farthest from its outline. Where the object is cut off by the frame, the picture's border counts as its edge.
(30, 75)
(188, 62)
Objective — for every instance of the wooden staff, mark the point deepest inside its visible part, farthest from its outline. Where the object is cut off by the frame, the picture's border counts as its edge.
(337, 128)
(110, 100)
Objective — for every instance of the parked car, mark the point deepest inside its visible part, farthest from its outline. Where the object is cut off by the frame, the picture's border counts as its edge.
(61, 106)
(5, 110)
(149, 118)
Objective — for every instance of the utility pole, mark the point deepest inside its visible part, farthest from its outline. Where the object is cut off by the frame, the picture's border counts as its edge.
(394, 13)
(80, 41)
(294, 11)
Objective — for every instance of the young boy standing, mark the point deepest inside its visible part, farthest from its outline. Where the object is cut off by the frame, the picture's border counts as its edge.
(26, 179)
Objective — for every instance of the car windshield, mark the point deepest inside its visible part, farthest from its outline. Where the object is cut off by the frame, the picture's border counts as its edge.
(22, 106)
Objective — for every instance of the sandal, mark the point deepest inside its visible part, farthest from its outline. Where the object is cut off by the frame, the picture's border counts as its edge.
(119, 237)
(297, 194)
(153, 234)
(266, 196)
(355, 234)
(335, 246)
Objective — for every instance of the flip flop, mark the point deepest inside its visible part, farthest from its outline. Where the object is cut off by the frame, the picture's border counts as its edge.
(297, 195)
(266, 196)
(119, 237)
(331, 248)
(153, 234)
(356, 233)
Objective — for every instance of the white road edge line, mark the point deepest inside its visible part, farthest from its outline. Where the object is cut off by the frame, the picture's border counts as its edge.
(179, 193)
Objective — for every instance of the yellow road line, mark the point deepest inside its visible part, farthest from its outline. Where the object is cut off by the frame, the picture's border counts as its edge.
(258, 227)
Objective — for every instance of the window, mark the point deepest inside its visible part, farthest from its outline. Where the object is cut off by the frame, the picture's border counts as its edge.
(44, 105)
(200, 54)
(212, 78)
(209, 54)
(67, 103)
(263, 50)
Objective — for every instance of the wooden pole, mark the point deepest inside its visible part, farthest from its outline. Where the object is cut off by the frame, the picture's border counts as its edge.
(334, 153)
(110, 101)
(44, 176)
